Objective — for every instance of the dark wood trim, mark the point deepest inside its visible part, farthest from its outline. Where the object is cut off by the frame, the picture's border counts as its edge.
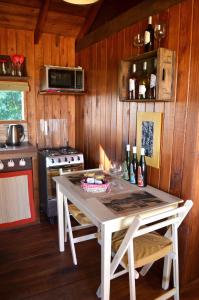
(131, 16)
(61, 93)
(41, 20)
(14, 78)
(89, 21)
(146, 100)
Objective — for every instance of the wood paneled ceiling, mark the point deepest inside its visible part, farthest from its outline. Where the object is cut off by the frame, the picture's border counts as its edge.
(87, 23)
(61, 17)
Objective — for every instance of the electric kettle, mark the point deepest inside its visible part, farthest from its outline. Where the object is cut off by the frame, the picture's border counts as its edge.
(15, 135)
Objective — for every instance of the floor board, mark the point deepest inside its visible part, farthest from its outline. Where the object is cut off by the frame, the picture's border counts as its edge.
(32, 268)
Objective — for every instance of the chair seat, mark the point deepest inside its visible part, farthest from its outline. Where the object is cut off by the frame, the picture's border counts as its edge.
(78, 215)
(147, 248)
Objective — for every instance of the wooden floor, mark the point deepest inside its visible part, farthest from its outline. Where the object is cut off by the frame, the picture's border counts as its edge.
(31, 267)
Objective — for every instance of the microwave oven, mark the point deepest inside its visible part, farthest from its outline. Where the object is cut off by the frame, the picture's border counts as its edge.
(54, 78)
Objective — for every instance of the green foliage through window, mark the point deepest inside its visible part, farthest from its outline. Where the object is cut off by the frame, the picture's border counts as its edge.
(11, 105)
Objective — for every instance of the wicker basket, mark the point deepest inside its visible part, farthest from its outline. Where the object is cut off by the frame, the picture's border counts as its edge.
(95, 188)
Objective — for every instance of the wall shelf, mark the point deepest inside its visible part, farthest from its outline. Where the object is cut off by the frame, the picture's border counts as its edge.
(62, 93)
(14, 83)
(14, 78)
(145, 100)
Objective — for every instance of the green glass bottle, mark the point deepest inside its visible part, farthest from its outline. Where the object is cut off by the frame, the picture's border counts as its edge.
(128, 158)
(149, 36)
(133, 167)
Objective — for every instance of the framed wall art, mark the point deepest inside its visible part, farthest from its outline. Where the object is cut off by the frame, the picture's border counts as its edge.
(149, 136)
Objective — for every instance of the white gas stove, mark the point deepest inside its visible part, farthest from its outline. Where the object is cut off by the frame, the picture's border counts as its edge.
(51, 160)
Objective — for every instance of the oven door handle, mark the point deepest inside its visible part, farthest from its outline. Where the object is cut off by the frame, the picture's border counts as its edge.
(61, 172)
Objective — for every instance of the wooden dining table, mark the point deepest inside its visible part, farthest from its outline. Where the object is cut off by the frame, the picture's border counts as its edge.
(109, 211)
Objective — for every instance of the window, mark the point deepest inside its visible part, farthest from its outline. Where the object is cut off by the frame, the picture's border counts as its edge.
(11, 105)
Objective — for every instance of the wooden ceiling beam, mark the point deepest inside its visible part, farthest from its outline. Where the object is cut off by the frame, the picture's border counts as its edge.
(131, 16)
(89, 21)
(41, 20)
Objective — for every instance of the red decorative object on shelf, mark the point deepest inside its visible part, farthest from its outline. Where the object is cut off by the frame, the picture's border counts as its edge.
(17, 61)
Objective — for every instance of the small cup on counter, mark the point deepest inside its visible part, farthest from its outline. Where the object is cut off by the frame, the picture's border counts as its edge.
(11, 163)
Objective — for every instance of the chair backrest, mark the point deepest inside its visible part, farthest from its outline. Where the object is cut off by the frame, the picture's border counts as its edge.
(173, 216)
(141, 226)
(62, 172)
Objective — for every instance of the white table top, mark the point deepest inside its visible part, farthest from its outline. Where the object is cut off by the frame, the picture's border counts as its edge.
(92, 204)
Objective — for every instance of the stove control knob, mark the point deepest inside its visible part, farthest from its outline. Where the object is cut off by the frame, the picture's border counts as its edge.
(1, 165)
(66, 159)
(11, 163)
(78, 158)
(52, 161)
(59, 160)
(72, 158)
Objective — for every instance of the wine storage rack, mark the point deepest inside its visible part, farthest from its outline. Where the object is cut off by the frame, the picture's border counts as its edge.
(164, 77)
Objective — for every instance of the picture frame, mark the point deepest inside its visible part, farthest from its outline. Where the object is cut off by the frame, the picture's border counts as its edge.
(149, 126)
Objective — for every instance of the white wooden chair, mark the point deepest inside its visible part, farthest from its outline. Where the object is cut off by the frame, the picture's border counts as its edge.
(83, 222)
(141, 245)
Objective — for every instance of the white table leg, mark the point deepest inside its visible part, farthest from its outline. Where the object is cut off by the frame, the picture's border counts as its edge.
(105, 261)
(60, 216)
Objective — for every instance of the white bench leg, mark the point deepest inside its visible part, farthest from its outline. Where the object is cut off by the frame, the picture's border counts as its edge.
(70, 232)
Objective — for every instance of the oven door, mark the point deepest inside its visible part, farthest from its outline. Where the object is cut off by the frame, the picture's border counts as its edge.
(54, 171)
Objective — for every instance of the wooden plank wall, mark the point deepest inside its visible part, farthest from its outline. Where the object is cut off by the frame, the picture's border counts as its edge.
(57, 111)
(103, 122)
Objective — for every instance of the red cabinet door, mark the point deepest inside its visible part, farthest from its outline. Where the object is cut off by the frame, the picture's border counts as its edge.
(16, 199)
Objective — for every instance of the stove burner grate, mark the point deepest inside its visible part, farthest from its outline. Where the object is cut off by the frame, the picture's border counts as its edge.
(50, 152)
(68, 150)
(58, 151)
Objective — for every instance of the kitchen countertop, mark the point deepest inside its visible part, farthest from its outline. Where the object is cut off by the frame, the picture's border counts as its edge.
(24, 150)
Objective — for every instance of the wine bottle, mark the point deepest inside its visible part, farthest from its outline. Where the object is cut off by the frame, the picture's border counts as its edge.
(149, 36)
(142, 170)
(144, 82)
(125, 174)
(133, 84)
(152, 90)
(128, 158)
(133, 167)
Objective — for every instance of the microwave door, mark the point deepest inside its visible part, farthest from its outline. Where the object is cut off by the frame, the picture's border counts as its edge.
(62, 79)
